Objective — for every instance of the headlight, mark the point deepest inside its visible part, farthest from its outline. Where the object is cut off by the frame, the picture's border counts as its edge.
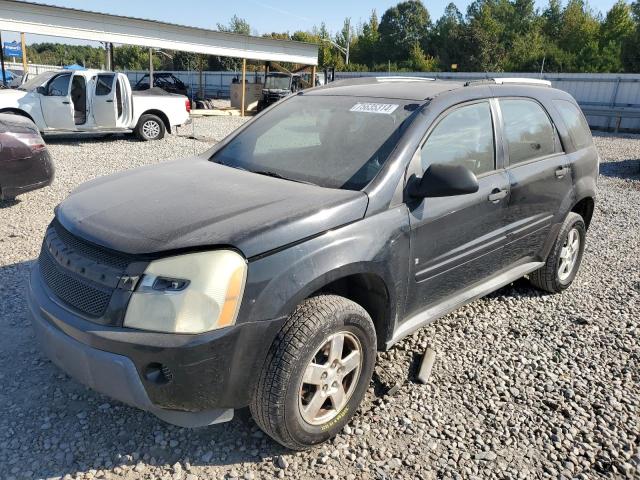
(191, 293)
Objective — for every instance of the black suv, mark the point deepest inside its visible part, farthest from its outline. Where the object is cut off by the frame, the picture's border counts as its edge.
(266, 271)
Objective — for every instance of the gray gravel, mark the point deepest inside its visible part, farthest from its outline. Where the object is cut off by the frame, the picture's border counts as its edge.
(525, 385)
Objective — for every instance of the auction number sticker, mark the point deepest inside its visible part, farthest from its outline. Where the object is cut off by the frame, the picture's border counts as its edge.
(386, 108)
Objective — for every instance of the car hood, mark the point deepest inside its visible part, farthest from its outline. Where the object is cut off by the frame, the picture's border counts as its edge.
(9, 97)
(196, 203)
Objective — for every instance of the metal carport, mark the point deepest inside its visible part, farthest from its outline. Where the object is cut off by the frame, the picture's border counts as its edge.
(55, 21)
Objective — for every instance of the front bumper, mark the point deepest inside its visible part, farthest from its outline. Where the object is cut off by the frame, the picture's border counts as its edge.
(205, 376)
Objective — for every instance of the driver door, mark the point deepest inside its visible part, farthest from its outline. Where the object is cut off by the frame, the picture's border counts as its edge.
(56, 104)
(458, 240)
(105, 108)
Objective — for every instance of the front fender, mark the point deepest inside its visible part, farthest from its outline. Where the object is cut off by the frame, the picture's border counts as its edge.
(377, 245)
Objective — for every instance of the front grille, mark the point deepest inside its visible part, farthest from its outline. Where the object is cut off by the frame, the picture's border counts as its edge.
(80, 274)
(88, 250)
(72, 291)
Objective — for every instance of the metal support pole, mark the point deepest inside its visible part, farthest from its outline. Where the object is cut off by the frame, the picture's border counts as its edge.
(25, 64)
(612, 104)
(244, 77)
(112, 66)
(150, 68)
(313, 76)
(4, 78)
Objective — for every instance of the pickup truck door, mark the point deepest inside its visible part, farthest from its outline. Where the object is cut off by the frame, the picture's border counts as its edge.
(105, 108)
(124, 101)
(55, 101)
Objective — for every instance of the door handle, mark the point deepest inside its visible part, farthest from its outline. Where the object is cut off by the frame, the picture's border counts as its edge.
(65, 102)
(561, 172)
(109, 101)
(496, 195)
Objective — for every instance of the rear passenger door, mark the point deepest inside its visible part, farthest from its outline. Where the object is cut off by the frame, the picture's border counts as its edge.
(458, 240)
(539, 178)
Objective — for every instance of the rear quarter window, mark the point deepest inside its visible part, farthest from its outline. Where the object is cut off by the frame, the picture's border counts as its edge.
(575, 122)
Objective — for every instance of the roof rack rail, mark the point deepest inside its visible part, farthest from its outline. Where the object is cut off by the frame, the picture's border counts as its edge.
(507, 80)
(400, 78)
(528, 81)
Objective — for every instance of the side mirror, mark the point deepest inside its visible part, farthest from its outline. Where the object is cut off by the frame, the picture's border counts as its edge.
(41, 90)
(445, 180)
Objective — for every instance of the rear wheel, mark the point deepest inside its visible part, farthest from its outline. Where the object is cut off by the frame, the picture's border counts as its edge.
(150, 127)
(563, 262)
(316, 373)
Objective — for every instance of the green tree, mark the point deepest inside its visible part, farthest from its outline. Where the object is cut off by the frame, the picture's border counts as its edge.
(419, 61)
(447, 38)
(401, 27)
(133, 57)
(630, 52)
(365, 49)
(618, 27)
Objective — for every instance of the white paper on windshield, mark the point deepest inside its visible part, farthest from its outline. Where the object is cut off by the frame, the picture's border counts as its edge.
(386, 108)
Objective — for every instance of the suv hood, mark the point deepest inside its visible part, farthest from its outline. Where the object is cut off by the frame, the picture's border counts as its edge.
(196, 203)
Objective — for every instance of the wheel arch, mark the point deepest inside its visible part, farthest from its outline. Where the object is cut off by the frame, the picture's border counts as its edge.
(369, 290)
(584, 207)
(17, 111)
(160, 114)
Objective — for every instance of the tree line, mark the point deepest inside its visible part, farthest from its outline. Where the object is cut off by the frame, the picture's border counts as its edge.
(492, 35)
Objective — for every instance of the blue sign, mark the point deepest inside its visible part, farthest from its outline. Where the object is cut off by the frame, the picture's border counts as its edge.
(12, 49)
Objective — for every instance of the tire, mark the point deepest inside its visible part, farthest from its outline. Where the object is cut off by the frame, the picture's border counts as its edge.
(150, 127)
(282, 403)
(557, 274)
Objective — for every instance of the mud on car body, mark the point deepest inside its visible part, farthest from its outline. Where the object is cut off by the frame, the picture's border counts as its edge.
(268, 270)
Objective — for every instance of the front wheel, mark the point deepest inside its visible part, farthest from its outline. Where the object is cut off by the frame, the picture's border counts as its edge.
(316, 372)
(563, 262)
(150, 127)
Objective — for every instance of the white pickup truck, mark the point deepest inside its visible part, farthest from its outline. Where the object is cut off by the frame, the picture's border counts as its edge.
(92, 101)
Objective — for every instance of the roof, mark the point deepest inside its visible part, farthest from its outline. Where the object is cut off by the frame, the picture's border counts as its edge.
(404, 88)
(37, 18)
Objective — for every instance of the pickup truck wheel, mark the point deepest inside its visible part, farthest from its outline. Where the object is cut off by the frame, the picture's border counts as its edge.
(316, 372)
(150, 127)
(563, 262)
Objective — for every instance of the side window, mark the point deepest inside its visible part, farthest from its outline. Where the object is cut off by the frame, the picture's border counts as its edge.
(575, 122)
(104, 84)
(528, 130)
(59, 86)
(463, 137)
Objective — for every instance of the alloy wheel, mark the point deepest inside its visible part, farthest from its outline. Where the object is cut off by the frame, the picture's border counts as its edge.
(330, 378)
(569, 254)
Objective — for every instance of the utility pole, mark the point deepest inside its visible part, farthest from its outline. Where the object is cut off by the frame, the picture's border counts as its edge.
(150, 67)
(348, 22)
(25, 64)
(4, 78)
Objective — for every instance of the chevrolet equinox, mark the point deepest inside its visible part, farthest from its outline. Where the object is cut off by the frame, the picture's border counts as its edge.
(267, 271)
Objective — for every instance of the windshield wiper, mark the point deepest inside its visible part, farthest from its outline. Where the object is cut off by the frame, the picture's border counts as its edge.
(269, 173)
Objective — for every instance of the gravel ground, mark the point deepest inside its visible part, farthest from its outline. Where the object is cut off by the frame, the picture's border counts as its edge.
(525, 385)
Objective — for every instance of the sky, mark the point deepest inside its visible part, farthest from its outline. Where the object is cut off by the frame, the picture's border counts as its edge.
(264, 16)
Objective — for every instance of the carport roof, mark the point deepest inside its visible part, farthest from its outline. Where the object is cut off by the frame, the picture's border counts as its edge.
(41, 19)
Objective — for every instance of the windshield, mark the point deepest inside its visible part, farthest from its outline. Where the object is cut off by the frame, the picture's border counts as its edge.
(38, 81)
(277, 82)
(336, 142)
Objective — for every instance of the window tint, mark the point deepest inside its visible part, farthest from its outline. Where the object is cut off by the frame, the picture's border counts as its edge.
(463, 137)
(59, 86)
(576, 123)
(528, 130)
(104, 84)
